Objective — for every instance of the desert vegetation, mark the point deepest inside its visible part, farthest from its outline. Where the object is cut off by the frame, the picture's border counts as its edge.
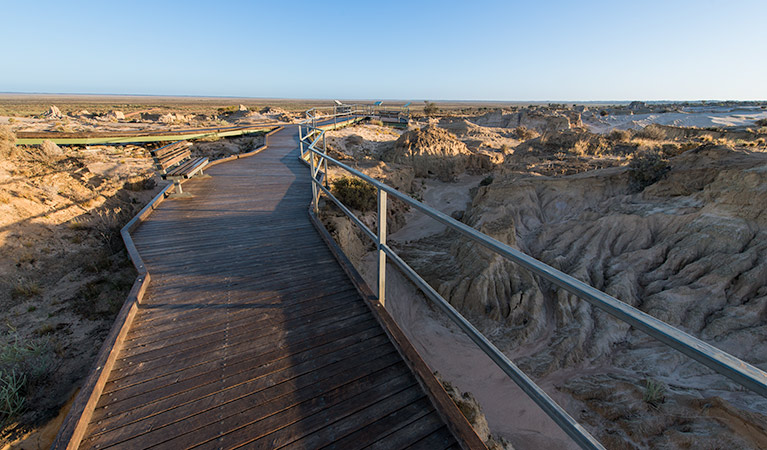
(65, 273)
(355, 193)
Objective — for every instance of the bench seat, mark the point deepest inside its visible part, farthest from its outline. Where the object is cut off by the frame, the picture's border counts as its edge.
(174, 162)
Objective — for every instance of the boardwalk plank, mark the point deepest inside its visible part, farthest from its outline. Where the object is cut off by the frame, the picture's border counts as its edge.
(250, 333)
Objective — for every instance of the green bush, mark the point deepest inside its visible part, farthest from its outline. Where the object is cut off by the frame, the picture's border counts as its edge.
(355, 193)
(647, 168)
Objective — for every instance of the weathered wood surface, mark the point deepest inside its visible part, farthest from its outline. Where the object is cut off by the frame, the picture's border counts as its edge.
(251, 334)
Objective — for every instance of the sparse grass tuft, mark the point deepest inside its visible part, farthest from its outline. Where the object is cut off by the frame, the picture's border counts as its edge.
(77, 225)
(25, 289)
(12, 399)
(654, 393)
(46, 329)
(107, 224)
(355, 193)
(26, 365)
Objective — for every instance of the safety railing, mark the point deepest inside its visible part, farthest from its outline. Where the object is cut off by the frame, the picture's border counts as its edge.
(315, 154)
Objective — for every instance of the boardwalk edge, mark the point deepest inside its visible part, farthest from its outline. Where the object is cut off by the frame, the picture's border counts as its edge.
(440, 399)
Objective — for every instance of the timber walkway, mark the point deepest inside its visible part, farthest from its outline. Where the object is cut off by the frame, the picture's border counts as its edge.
(252, 335)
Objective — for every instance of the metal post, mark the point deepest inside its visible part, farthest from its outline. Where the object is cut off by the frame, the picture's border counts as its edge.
(300, 140)
(325, 151)
(381, 244)
(314, 185)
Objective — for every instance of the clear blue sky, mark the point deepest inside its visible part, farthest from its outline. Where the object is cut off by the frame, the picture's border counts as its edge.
(470, 50)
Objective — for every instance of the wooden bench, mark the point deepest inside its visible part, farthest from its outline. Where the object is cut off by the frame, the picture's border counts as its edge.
(174, 162)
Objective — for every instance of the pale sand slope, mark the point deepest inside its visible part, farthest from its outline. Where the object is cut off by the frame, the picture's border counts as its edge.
(700, 119)
(447, 350)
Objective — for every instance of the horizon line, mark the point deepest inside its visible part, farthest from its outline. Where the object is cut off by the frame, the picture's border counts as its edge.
(376, 98)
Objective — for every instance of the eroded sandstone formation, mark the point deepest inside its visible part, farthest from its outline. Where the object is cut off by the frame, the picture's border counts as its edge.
(688, 250)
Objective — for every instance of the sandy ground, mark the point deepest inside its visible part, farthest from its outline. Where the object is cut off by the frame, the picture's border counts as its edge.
(448, 351)
(693, 117)
(90, 123)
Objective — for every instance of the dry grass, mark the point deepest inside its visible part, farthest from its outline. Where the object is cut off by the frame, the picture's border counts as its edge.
(25, 289)
(652, 132)
(620, 135)
(36, 105)
(7, 141)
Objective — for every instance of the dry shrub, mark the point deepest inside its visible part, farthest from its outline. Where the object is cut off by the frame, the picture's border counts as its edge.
(523, 133)
(107, 223)
(355, 193)
(646, 168)
(7, 141)
(652, 132)
(761, 122)
(581, 148)
(430, 108)
(620, 135)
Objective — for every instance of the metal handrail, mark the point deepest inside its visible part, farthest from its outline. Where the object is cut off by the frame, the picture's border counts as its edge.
(741, 372)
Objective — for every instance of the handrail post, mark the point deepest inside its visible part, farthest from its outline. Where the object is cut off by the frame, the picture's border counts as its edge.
(381, 244)
(312, 173)
(300, 140)
(325, 151)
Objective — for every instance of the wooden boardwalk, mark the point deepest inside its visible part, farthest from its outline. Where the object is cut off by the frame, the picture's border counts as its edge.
(251, 334)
